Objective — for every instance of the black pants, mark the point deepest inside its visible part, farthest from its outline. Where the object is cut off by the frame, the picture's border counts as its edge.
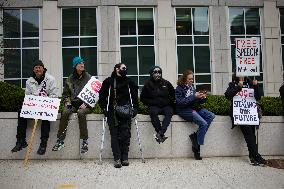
(154, 111)
(120, 139)
(250, 138)
(22, 127)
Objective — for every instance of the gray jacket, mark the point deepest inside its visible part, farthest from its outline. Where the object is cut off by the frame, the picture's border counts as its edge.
(46, 88)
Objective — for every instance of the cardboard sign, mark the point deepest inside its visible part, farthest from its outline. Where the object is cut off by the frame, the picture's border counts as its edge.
(247, 56)
(244, 108)
(40, 107)
(90, 93)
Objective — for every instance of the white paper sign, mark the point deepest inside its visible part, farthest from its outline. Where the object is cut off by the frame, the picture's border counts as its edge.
(90, 93)
(247, 56)
(40, 107)
(244, 108)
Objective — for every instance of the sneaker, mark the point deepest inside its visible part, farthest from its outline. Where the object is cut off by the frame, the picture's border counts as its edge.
(20, 144)
(84, 148)
(125, 163)
(117, 163)
(58, 146)
(158, 138)
(260, 160)
(253, 162)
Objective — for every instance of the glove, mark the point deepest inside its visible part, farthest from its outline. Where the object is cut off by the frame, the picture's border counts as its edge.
(134, 112)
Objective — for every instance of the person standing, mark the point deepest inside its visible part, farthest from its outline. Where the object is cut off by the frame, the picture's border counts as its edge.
(116, 91)
(188, 102)
(40, 84)
(72, 104)
(159, 95)
(248, 131)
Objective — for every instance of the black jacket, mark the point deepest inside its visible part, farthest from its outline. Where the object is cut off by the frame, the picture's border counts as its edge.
(234, 88)
(158, 93)
(122, 95)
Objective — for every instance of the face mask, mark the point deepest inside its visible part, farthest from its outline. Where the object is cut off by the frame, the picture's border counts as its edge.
(156, 77)
(123, 73)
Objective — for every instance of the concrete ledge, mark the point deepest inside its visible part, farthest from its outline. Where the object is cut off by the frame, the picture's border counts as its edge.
(220, 140)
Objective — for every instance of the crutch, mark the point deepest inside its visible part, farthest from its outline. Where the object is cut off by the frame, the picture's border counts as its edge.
(104, 129)
(139, 141)
(30, 145)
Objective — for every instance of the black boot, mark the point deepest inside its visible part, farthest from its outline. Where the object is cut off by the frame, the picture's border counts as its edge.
(42, 147)
(196, 152)
(193, 138)
(20, 144)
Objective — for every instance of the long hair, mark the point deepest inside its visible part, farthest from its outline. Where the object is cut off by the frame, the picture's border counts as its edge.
(113, 74)
(182, 79)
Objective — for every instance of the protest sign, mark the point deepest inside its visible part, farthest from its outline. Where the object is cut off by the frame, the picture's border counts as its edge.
(244, 108)
(90, 93)
(247, 56)
(40, 107)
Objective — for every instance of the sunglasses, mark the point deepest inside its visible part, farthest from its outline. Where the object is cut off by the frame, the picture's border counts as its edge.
(156, 72)
(123, 68)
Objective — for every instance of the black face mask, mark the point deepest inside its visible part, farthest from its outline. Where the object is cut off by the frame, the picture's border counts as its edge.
(123, 73)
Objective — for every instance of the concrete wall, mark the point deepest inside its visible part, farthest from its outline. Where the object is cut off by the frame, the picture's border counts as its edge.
(220, 140)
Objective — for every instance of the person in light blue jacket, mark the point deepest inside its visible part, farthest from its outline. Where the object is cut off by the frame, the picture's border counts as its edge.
(188, 102)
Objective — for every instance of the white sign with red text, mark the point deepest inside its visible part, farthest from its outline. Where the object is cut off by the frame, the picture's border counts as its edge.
(244, 108)
(247, 56)
(90, 93)
(40, 107)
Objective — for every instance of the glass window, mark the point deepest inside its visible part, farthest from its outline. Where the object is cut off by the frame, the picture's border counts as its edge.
(137, 42)
(193, 47)
(79, 38)
(21, 44)
(281, 10)
(245, 23)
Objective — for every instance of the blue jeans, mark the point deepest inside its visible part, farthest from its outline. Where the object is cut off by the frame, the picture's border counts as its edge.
(203, 119)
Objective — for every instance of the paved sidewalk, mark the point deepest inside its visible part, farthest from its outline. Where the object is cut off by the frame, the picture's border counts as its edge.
(229, 172)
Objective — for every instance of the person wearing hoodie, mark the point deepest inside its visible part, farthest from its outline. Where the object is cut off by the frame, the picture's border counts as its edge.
(72, 104)
(159, 95)
(248, 131)
(188, 102)
(116, 91)
(40, 84)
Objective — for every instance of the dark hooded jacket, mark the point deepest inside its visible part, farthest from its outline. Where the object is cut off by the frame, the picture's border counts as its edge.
(234, 88)
(122, 95)
(159, 93)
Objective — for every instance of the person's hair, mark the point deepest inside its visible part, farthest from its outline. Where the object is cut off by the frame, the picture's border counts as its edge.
(182, 79)
(114, 69)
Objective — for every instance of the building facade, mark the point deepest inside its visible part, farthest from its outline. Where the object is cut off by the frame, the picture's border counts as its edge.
(173, 34)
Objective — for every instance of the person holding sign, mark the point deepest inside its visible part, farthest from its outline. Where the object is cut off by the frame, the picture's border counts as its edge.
(188, 107)
(72, 104)
(40, 84)
(119, 91)
(243, 88)
(159, 95)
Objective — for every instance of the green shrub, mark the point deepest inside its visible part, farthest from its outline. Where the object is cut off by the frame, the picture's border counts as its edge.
(11, 97)
(271, 106)
(217, 104)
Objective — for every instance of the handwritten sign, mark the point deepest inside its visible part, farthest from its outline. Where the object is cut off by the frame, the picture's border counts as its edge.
(244, 108)
(247, 56)
(40, 107)
(90, 93)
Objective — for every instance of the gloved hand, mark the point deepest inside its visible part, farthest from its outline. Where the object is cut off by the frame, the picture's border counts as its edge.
(134, 112)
